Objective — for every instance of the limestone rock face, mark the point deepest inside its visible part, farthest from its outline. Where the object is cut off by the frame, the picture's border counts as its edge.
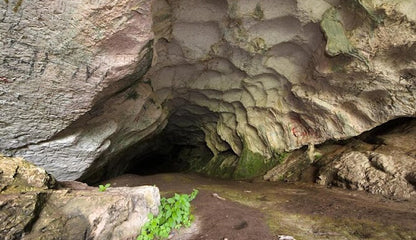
(271, 76)
(82, 91)
(74, 211)
(389, 168)
(382, 164)
(71, 81)
(374, 172)
(117, 213)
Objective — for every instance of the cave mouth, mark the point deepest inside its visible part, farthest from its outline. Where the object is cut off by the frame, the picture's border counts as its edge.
(170, 158)
(184, 150)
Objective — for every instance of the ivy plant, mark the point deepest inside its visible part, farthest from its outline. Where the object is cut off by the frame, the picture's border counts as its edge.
(174, 213)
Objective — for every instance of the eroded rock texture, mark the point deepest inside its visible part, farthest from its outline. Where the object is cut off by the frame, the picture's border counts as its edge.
(248, 79)
(382, 161)
(260, 78)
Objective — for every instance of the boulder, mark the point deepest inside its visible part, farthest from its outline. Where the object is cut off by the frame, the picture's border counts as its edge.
(117, 213)
(33, 210)
(17, 175)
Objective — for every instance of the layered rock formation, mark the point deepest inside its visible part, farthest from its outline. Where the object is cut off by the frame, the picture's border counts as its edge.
(248, 79)
(32, 209)
(259, 78)
(382, 161)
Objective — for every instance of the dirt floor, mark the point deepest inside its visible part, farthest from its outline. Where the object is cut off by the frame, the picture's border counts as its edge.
(237, 210)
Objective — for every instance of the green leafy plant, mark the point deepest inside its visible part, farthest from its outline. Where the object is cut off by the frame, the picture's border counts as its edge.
(174, 213)
(102, 188)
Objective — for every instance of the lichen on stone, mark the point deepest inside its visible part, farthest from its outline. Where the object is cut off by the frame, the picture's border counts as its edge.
(222, 165)
(258, 45)
(337, 40)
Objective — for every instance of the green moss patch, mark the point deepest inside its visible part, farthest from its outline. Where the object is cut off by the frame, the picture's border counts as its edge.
(337, 41)
(253, 164)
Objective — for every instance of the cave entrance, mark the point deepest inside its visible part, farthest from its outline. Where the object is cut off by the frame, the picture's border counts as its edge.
(180, 147)
(169, 159)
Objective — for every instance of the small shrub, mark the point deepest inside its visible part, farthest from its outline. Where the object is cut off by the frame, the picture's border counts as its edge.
(174, 213)
(102, 188)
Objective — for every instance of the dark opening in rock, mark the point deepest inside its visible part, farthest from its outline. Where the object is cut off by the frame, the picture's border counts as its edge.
(372, 136)
(170, 158)
(153, 163)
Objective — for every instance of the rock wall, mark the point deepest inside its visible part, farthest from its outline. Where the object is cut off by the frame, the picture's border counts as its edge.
(248, 79)
(71, 84)
(264, 77)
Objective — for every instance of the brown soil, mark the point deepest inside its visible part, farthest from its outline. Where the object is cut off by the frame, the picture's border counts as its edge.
(263, 210)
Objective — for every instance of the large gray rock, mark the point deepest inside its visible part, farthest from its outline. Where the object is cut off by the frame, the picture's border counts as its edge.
(117, 213)
(247, 78)
(71, 85)
(30, 209)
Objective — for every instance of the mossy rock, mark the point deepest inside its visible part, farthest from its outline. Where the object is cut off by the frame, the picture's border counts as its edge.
(17, 175)
(249, 165)
(253, 164)
(195, 158)
(368, 6)
(337, 41)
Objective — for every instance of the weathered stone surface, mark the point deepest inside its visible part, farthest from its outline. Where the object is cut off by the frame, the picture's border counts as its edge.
(263, 77)
(373, 172)
(30, 209)
(19, 212)
(377, 163)
(18, 175)
(71, 86)
(272, 82)
(117, 213)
